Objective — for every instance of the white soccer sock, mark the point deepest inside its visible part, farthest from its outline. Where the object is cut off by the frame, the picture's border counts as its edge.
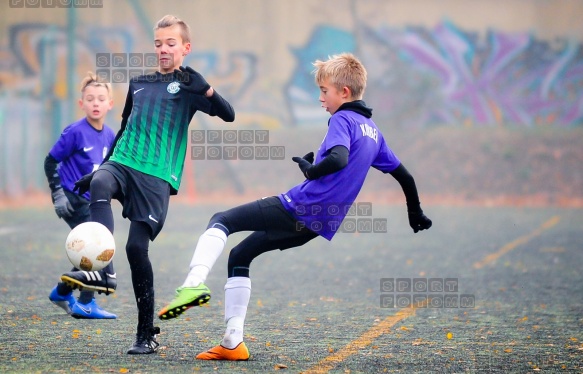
(208, 249)
(237, 295)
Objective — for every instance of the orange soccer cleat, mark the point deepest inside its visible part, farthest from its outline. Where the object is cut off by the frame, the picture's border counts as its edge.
(239, 353)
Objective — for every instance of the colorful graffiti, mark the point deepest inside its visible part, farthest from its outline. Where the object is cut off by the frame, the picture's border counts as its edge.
(418, 77)
(446, 76)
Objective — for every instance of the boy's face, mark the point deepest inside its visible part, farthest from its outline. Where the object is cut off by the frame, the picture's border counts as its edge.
(331, 97)
(170, 48)
(95, 102)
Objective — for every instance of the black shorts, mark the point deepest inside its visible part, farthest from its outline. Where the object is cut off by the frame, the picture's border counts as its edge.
(144, 198)
(265, 215)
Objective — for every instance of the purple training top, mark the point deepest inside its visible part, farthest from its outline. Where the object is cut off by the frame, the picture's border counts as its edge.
(80, 150)
(322, 204)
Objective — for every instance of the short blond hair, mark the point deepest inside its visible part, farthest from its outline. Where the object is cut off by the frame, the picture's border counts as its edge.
(92, 80)
(343, 70)
(170, 20)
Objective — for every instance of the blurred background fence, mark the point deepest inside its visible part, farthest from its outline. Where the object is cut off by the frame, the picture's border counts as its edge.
(453, 72)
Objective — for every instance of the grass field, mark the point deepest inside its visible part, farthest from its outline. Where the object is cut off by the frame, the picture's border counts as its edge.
(319, 308)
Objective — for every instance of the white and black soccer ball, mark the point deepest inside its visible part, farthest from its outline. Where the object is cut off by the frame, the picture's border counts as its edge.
(90, 246)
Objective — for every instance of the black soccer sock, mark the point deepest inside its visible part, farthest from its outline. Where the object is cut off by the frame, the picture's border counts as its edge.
(63, 289)
(101, 212)
(85, 297)
(142, 273)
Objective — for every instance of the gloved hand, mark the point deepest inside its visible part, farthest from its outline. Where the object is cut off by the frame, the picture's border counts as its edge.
(309, 157)
(304, 164)
(192, 81)
(418, 221)
(82, 185)
(62, 205)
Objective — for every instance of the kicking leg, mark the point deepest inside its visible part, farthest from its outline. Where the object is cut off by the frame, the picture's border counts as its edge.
(238, 291)
(209, 247)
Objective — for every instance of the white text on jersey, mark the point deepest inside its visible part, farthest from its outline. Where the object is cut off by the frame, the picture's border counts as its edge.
(371, 132)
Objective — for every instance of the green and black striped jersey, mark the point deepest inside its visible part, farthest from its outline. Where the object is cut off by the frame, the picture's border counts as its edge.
(154, 134)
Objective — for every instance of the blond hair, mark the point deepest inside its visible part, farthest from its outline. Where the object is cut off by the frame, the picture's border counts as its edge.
(342, 70)
(170, 20)
(92, 80)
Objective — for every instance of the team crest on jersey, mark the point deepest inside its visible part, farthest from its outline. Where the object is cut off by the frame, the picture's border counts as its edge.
(173, 87)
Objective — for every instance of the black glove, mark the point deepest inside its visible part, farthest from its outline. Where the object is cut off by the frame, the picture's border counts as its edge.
(192, 81)
(304, 164)
(83, 184)
(418, 221)
(62, 205)
(309, 157)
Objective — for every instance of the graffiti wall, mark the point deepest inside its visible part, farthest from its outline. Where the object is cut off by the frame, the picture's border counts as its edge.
(459, 63)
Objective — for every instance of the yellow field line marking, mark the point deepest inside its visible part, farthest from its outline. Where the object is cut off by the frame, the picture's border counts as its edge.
(515, 243)
(364, 340)
(329, 362)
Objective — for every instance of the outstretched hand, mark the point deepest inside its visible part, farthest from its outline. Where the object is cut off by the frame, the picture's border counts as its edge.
(305, 163)
(418, 221)
(83, 184)
(192, 81)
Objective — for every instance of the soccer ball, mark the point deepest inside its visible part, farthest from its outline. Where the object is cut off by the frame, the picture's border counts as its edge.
(90, 246)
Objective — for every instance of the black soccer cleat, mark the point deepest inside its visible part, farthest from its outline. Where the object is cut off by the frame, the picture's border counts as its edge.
(98, 281)
(145, 343)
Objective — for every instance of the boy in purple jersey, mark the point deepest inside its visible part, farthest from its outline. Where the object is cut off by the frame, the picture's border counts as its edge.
(79, 150)
(315, 207)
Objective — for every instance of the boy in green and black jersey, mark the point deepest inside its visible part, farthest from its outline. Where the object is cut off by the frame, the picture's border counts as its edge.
(146, 163)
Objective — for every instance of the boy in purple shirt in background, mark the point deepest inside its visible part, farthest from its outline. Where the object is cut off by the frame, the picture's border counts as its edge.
(315, 207)
(79, 150)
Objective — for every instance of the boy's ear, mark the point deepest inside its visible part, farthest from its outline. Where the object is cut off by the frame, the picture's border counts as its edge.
(80, 103)
(346, 93)
(186, 49)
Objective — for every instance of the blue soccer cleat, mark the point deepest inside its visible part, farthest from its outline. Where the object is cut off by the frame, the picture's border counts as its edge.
(90, 311)
(66, 302)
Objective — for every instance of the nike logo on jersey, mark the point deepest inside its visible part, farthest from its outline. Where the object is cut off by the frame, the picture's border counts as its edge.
(138, 90)
(152, 218)
(87, 149)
